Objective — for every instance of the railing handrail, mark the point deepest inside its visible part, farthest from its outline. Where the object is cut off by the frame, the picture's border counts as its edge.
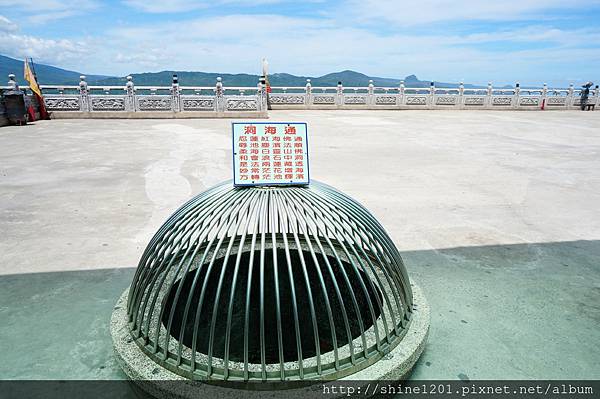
(394, 88)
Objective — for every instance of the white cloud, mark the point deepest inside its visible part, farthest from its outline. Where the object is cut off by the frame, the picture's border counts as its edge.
(50, 5)
(43, 50)
(53, 51)
(177, 6)
(6, 25)
(318, 46)
(166, 6)
(428, 11)
(44, 11)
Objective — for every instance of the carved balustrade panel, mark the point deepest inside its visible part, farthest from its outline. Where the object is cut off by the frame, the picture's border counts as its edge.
(355, 99)
(502, 101)
(62, 103)
(474, 100)
(416, 100)
(241, 103)
(386, 99)
(107, 103)
(445, 100)
(287, 99)
(154, 103)
(529, 101)
(323, 99)
(198, 103)
(556, 101)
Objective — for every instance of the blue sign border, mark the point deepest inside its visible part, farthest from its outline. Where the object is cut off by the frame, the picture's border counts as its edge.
(268, 184)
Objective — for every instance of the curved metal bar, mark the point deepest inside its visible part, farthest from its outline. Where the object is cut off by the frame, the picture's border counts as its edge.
(305, 231)
(249, 288)
(184, 273)
(146, 278)
(285, 221)
(273, 219)
(214, 208)
(338, 229)
(257, 204)
(376, 228)
(358, 234)
(241, 203)
(311, 304)
(252, 203)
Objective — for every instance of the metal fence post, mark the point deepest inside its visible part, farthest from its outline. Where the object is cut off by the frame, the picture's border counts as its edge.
(84, 104)
(129, 95)
(220, 99)
(308, 94)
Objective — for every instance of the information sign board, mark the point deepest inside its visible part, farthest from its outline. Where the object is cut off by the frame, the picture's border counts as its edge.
(270, 153)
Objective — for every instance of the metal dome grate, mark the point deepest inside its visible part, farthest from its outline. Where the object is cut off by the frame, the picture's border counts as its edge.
(269, 283)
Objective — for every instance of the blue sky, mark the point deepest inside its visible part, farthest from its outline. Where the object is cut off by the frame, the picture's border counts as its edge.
(530, 41)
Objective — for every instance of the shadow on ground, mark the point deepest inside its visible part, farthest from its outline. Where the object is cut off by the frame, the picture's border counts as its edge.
(525, 311)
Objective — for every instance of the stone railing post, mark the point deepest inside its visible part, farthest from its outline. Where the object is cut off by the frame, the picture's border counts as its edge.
(308, 94)
(261, 95)
(489, 92)
(219, 96)
(371, 93)
(340, 94)
(432, 94)
(597, 90)
(461, 93)
(401, 93)
(570, 96)
(544, 96)
(175, 94)
(84, 104)
(129, 95)
(517, 94)
(12, 82)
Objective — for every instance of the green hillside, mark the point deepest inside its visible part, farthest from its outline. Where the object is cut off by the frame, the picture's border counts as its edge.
(51, 75)
(46, 74)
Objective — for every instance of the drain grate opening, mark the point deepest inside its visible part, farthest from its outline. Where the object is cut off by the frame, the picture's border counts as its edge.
(347, 285)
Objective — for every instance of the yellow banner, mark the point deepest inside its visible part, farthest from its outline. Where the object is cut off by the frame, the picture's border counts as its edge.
(30, 78)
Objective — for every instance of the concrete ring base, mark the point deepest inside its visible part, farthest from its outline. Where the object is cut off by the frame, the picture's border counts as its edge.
(153, 380)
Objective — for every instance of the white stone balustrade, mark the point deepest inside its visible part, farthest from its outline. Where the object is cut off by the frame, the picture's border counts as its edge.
(432, 97)
(131, 100)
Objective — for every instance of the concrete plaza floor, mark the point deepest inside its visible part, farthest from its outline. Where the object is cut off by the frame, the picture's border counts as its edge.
(496, 214)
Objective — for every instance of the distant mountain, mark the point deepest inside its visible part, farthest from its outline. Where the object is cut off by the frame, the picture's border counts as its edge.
(45, 73)
(51, 75)
(348, 78)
